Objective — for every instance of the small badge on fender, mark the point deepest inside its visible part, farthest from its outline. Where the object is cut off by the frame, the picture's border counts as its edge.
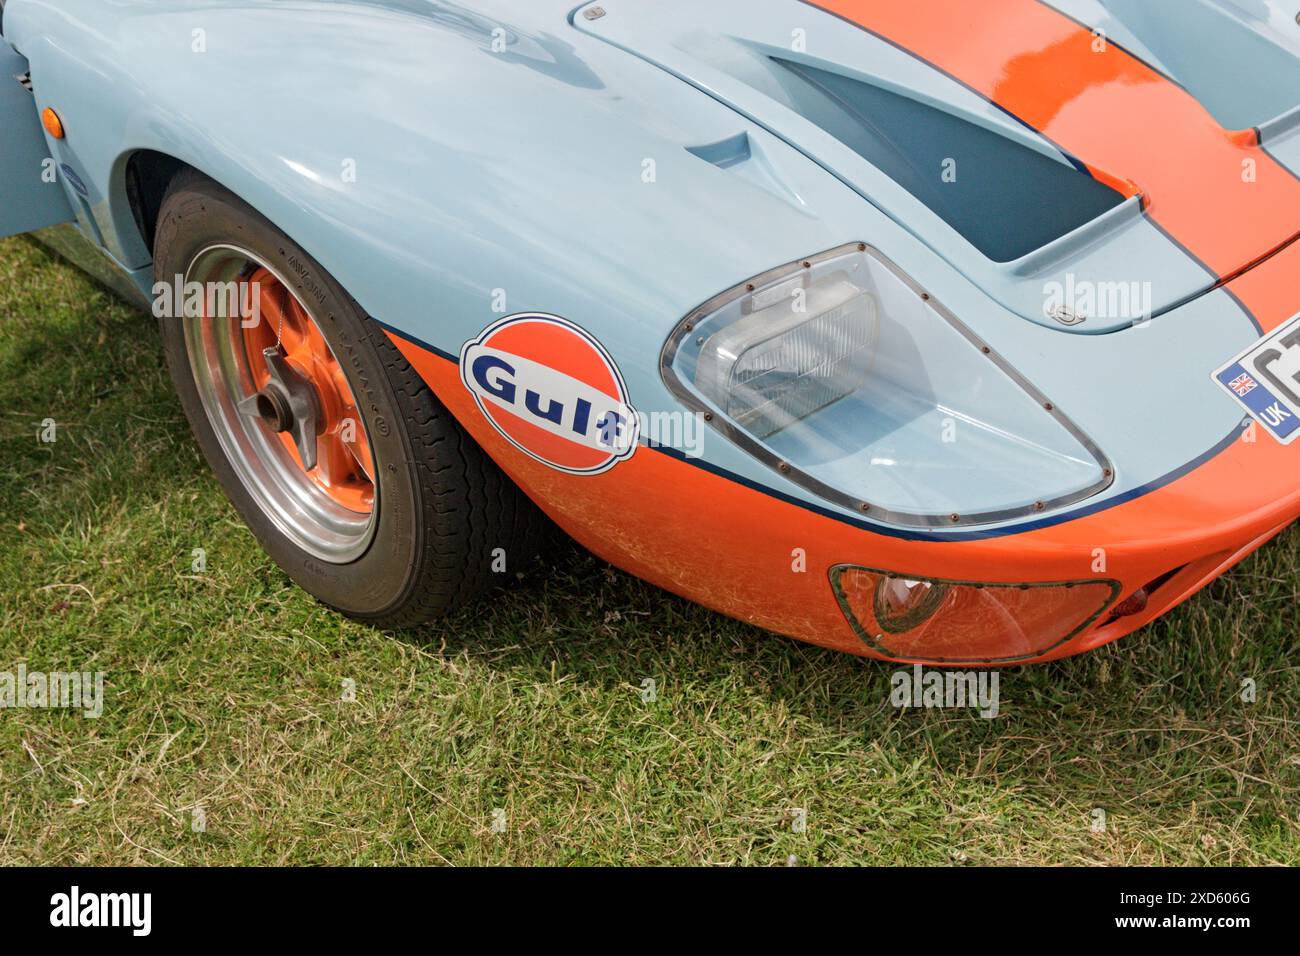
(552, 391)
(1266, 379)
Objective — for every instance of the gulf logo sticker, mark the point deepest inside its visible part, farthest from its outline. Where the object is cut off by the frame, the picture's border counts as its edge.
(552, 391)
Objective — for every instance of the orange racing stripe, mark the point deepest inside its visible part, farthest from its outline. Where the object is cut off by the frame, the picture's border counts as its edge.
(1220, 195)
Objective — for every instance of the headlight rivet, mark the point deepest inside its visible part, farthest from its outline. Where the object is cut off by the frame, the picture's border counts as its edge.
(785, 469)
(862, 247)
(954, 518)
(807, 265)
(1039, 506)
(986, 350)
(749, 287)
(925, 297)
(1107, 473)
(1049, 406)
(708, 416)
(865, 506)
(687, 327)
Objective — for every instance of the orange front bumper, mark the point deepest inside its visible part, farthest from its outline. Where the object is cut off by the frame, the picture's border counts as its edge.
(765, 559)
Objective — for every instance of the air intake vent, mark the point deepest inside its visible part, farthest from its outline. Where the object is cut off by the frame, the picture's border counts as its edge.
(26, 80)
(1004, 198)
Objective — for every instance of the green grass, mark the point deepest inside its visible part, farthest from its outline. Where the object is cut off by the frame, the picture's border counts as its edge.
(224, 689)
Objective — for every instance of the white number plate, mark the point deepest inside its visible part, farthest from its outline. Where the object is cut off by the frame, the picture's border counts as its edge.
(1266, 380)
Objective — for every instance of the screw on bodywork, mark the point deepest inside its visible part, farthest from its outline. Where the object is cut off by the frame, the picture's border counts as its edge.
(1067, 316)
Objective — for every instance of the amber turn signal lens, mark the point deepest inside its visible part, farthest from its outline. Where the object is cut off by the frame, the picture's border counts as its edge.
(53, 125)
(1134, 604)
(935, 621)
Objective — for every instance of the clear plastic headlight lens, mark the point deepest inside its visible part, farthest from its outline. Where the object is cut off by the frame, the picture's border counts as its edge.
(780, 364)
(840, 372)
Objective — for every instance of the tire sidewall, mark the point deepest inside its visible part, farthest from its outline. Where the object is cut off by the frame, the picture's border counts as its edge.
(197, 214)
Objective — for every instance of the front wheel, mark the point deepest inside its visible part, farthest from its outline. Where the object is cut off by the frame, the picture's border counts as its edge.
(348, 470)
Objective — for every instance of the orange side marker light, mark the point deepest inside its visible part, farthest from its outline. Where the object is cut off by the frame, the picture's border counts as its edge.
(53, 125)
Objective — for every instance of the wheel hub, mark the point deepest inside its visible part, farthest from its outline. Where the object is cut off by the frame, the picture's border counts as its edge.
(288, 404)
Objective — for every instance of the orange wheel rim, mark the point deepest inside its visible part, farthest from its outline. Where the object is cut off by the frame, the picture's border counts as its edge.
(272, 316)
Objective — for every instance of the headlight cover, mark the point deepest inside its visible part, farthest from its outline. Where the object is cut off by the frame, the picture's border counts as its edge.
(841, 373)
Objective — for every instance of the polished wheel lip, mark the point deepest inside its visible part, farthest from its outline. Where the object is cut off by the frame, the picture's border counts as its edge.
(298, 507)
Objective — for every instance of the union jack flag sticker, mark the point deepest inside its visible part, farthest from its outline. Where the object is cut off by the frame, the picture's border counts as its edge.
(1243, 385)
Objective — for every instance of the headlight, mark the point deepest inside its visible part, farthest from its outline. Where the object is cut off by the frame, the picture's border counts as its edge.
(776, 366)
(842, 374)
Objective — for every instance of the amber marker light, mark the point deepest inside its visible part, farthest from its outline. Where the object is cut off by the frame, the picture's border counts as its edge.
(53, 125)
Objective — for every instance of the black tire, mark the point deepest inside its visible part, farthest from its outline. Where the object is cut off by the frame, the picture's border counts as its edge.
(444, 507)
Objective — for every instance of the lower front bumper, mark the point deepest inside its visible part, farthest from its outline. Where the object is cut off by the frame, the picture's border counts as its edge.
(761, 558)
(756, 555)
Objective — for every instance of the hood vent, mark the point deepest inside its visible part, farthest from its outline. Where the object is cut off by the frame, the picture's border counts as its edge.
(1005, 199)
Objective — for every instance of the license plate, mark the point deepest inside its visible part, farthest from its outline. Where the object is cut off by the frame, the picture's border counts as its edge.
(1266, 380)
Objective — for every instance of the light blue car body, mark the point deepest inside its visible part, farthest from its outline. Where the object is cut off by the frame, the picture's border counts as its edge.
(435, 157)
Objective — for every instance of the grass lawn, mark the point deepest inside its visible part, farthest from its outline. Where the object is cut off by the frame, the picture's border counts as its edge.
(224, 689)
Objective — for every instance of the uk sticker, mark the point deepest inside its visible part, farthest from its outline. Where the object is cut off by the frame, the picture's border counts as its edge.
(1266, 379)
(552, 391)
